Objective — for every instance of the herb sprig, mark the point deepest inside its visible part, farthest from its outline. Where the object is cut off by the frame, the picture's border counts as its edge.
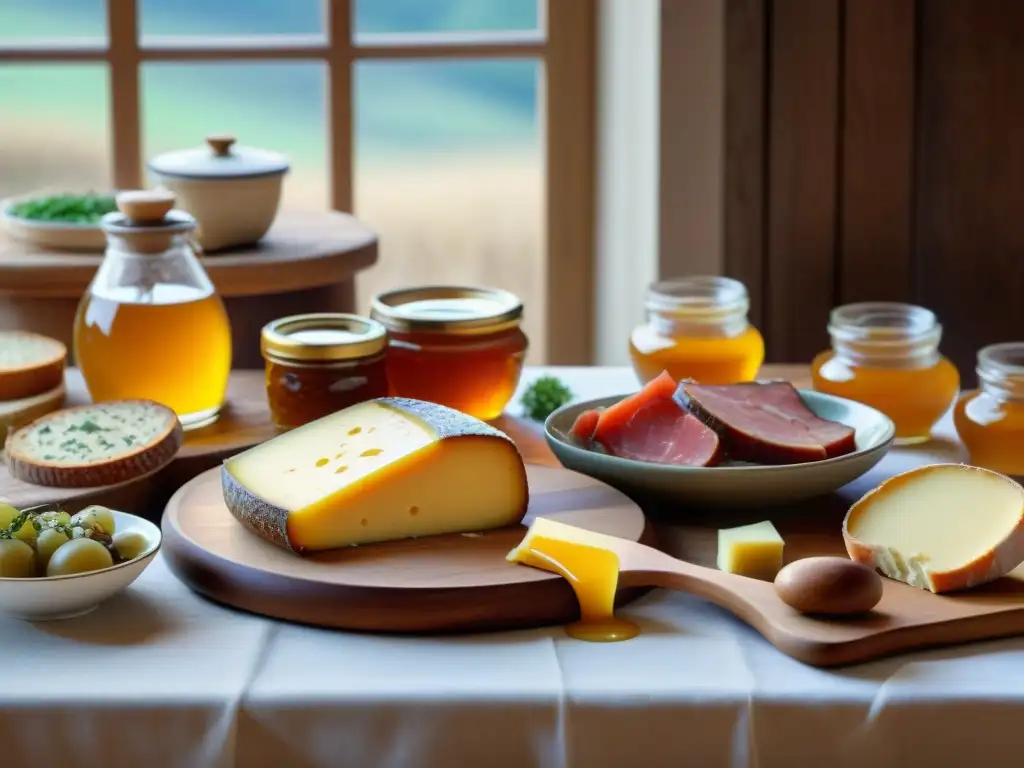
(71, 209)
(546, 395)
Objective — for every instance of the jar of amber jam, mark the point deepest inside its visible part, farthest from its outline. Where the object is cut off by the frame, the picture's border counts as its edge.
(321, 363)
(697, 328)
(457, 346)
(886, 355)
(990, 419)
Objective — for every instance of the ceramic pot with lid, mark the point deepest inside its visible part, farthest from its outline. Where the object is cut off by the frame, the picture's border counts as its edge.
(233, 192)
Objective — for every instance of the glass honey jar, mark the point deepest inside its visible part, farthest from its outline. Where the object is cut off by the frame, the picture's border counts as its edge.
(990, 419)
(886, 355)
(457, 346)
(317, 364)
(150, 324)
(697, 328)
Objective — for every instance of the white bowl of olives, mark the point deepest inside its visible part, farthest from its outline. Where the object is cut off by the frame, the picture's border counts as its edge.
(54, 565)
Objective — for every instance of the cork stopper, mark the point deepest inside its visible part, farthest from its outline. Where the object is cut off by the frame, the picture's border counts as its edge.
(145, 206)
(146, 221)
(220, 143)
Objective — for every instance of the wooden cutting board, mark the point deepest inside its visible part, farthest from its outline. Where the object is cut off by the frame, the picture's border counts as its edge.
(460, 582)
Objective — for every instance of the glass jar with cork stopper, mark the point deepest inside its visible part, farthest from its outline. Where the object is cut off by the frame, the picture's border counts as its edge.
(151, 325)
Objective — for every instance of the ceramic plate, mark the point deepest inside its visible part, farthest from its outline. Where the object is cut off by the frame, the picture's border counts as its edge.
(50, 235)
(741, 485)
(63, 597)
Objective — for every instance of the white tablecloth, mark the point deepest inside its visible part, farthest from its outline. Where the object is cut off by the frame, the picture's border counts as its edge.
(159, 677)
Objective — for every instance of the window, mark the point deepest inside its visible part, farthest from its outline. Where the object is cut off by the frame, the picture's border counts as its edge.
(462, 131)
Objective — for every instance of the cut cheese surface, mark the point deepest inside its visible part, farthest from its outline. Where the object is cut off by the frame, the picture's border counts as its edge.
(379, 471)
(940, 527)
(754, 550)
(590, 565)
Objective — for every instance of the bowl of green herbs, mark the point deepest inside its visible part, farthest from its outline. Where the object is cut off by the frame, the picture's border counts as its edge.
(62, 221)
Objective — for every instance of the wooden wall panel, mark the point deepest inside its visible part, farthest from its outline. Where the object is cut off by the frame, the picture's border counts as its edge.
(873, 151)
(876, 200)
(970, 172)
(744, 161)
(802, 176)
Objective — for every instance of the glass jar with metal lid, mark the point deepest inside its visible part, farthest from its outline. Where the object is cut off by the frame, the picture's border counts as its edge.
(458, 346)
(320, 363)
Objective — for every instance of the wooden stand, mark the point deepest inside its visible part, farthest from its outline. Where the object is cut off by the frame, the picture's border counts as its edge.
(306, 263)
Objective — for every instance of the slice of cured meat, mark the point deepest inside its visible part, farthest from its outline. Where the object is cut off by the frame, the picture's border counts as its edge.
(583, 428)
(766, 423)
(651, 426)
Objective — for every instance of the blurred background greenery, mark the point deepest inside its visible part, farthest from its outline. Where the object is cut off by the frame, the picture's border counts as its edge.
(448, 153)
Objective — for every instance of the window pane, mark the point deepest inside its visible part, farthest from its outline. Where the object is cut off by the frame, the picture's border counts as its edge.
(405, 16)
(449, 171)
(230, 18)
(48, 19)
(54, 130)
(271, 106)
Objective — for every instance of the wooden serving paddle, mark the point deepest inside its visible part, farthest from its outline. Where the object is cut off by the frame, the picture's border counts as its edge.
(569, 550)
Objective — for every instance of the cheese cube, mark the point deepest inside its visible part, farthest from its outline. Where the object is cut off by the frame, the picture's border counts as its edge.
(941, 527)
(751, 550)
(387, 469)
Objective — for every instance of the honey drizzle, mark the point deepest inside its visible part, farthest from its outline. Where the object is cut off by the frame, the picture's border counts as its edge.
(593, 574)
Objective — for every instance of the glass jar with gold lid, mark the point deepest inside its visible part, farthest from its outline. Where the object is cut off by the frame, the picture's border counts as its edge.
(458, 346)
(150, 324)
(886, 355)
(697, 328)
(990, 419)
(320, 363)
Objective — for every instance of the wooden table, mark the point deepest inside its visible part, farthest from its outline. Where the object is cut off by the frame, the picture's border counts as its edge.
(195, 684)
(307, 262)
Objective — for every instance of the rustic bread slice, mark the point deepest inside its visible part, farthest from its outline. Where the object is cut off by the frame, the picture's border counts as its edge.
(17, 413)
(30, 364)
(94, 445)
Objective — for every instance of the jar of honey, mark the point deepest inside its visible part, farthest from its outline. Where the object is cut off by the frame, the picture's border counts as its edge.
(460, 347)
(697, 328)
(321, 363)
(150, 324)
(990, 419)
(886, 355)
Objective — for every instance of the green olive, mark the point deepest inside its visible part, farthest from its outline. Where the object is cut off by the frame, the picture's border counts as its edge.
(27, 533)
(95, 517)
(58, 516)
(49, 541)
(17, 560)
(7, 513)
(130, 544)
(79, 556)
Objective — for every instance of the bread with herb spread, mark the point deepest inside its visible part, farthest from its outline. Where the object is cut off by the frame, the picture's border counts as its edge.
(94, 445)
(30, 364)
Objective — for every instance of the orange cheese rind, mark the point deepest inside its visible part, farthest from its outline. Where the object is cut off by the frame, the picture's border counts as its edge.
(1003, 557)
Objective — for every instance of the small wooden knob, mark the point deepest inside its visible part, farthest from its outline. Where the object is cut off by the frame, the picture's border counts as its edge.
(146, 206)
(220, 143)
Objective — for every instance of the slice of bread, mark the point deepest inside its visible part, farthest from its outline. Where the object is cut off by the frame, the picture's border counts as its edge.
(30, 364)
(17, 413)
(94, 445)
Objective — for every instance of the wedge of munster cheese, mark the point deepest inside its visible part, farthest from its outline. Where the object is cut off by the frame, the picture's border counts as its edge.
(766, 422)
(383, 470)
(941, 527)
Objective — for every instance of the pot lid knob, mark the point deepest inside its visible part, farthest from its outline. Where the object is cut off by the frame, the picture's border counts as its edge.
(145, 206)
(220, 143)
